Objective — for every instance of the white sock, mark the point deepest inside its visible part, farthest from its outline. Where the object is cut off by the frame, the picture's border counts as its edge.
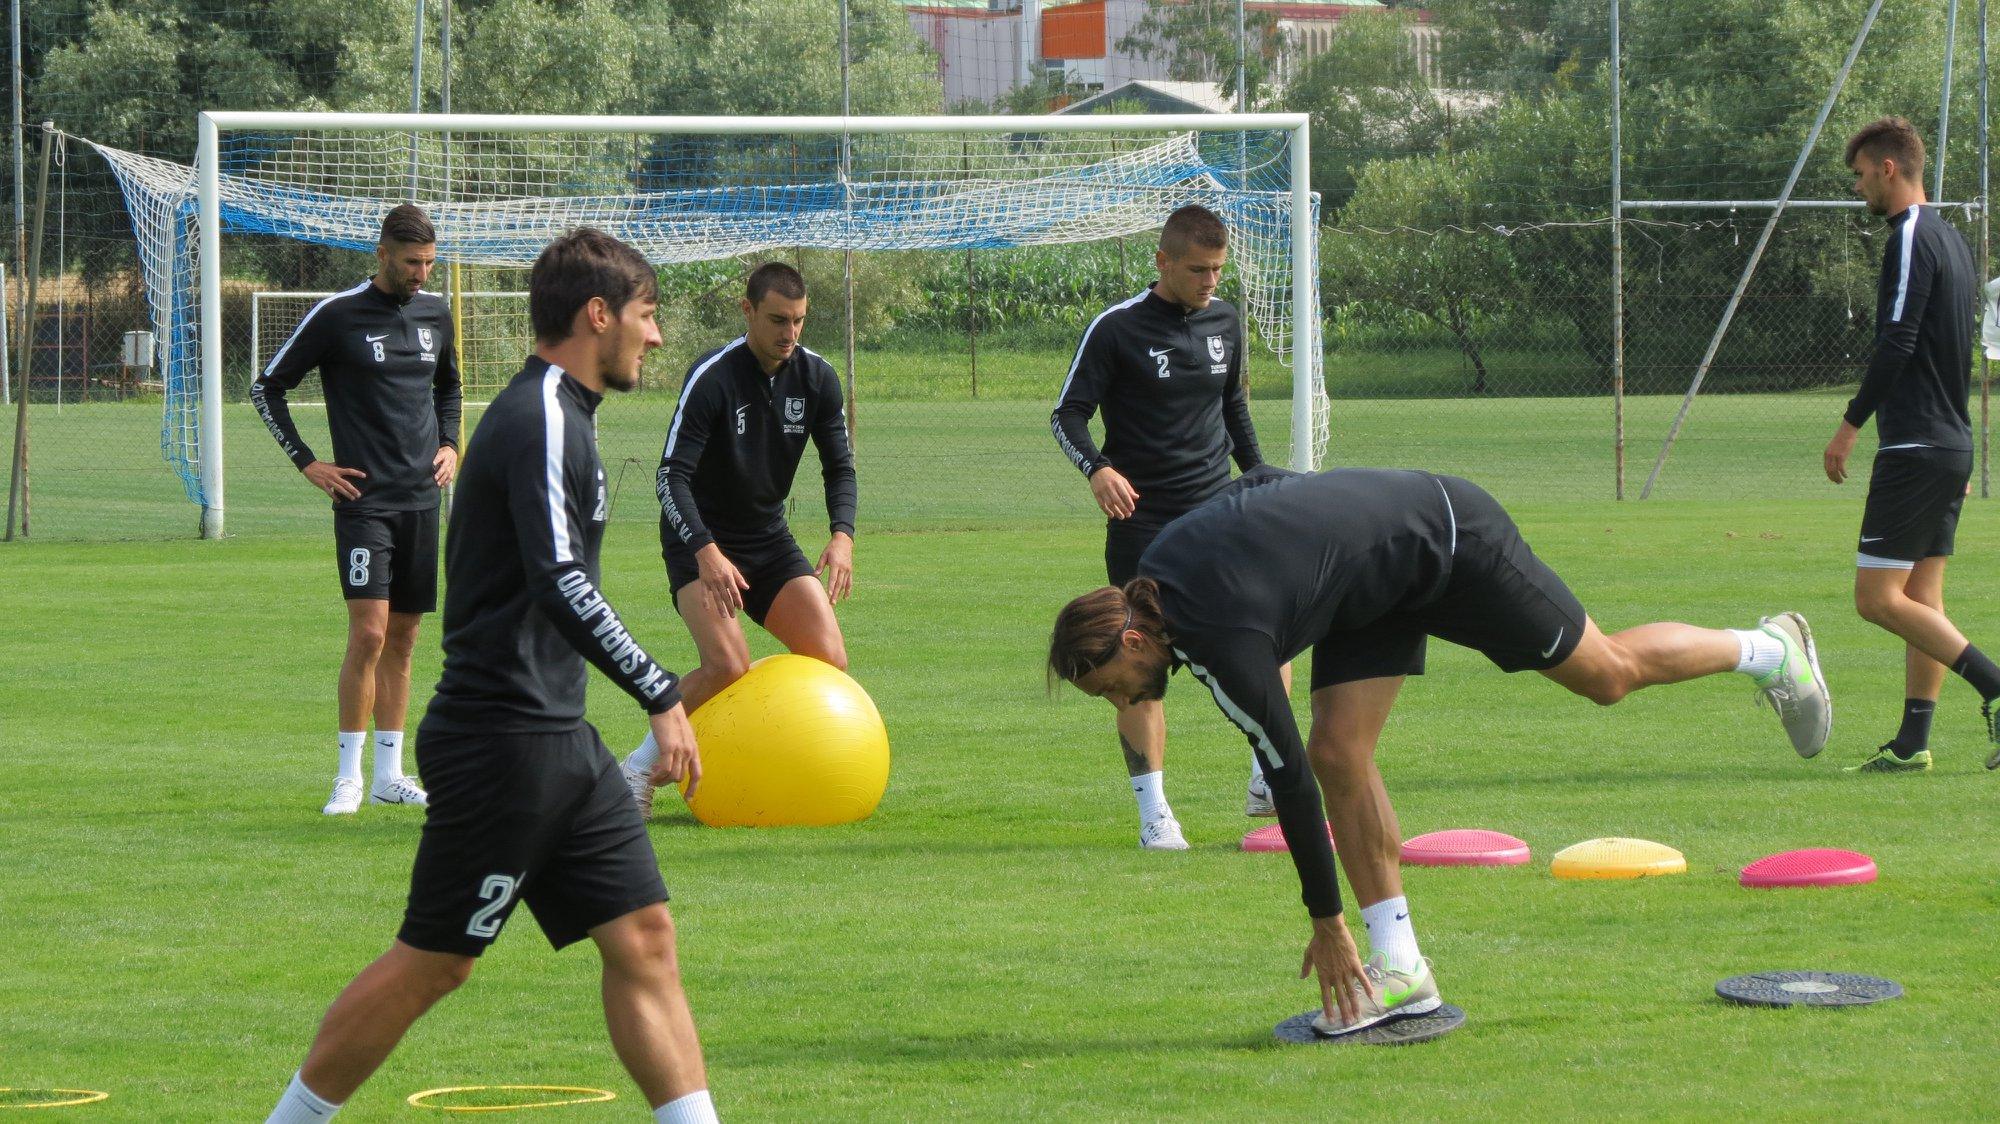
(1390, 933)
(1758, 652)
(1151, 790)
(695, 1108)
(301, 1105)
(645, 757)
(351, 742)
(388, 755)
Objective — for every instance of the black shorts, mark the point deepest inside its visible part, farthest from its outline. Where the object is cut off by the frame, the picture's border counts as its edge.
(388, 556)
(1914, 497)
(1124, 541)
(542, 818)
(1500, 601)
(767, 563)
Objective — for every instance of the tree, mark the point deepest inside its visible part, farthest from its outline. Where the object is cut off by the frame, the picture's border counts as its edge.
(1197, 39)
(1412, 241)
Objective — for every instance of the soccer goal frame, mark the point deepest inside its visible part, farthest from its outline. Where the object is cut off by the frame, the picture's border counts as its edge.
(211, 126)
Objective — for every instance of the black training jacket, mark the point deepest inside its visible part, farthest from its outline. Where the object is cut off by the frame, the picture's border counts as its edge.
(1170, 385)
(522, 609)
(1266, 569)
(1920, 371)
(390, 372)
(736, 441)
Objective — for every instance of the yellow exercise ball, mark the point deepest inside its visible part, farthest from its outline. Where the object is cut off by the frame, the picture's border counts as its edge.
(794, 743)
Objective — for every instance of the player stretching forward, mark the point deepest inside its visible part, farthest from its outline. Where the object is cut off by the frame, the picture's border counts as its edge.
(1166, 368)
(736, 441)
(389, 369)
(1360, 566)
(1919, 376)
(527, 804)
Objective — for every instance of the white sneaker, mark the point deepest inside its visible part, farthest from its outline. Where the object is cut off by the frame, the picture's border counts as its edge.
(1257, 802)
(346, 798)
(640, 781)
(402, 790)
(1797, 690)
(1398, 994)
(1162, 833)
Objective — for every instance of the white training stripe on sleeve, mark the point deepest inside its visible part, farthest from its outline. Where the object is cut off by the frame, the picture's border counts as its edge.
(1235, 713)
(1078, 360)
(687, 392)
(552, 462)
(1449, 514)
(1903, 280)
(307, 319)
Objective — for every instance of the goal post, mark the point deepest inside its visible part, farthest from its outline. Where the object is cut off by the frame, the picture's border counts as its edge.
(501, 186)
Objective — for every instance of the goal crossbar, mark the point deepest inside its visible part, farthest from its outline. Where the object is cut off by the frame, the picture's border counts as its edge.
(209, 181)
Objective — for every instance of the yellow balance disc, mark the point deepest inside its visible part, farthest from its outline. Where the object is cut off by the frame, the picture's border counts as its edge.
(1617, 858)
(795, 742)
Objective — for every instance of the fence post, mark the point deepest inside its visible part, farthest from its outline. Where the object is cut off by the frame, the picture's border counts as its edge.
(17, 481)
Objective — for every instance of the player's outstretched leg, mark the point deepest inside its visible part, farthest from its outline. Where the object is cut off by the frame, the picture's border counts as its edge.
(1895, 599)
(1778, 655)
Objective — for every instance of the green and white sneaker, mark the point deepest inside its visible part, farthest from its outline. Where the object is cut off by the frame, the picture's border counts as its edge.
(1992, 717)
(1797, 690)
(1398, 994)
(1884, 760)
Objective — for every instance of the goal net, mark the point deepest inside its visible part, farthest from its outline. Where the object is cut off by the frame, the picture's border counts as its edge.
(730, 191)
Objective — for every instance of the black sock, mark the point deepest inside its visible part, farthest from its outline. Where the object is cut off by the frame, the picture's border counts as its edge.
(1982, 673)
(1916, 731)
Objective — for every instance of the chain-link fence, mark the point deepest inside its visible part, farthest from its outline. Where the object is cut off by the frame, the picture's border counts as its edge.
(1463, 153)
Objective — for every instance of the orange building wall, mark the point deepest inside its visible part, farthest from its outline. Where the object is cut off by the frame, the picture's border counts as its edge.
(1074, 31)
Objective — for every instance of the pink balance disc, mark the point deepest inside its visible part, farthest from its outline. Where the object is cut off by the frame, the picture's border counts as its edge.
(1815, 866)
(1465, 846)
(1272, 838)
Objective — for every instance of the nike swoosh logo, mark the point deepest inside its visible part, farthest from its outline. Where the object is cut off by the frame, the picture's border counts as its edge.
(1391, 997)
(1402, 917)
(1551, 649)
(376, 339)
(1157, 354)
(1873, 538)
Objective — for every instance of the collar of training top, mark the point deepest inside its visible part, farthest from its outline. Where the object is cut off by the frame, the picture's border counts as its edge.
(382, 296)
(538, 366)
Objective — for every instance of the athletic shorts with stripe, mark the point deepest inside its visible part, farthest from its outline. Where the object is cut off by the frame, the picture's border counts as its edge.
(545, 819)
(1914, 497)
(1500, 601)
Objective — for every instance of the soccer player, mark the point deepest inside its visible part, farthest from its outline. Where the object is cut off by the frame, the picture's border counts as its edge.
(1919, 375)
(527, 804)
(389, 367)
(1359, 566)
(1166, 369)
(737, 436)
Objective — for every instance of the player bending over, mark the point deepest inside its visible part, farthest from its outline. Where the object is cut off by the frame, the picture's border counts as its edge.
(526, 803)
(1359, 566)
(738, 434)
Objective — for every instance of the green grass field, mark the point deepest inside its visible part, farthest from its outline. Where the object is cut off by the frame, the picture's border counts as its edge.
(176, 915)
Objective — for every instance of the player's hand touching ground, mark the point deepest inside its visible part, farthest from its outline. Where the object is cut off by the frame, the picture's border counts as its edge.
(679, 756)
(1332, 954)
(722, 584)
(836, 567)
(333, 479)
(1838, 450)
(444, 466)
(1113, 492)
